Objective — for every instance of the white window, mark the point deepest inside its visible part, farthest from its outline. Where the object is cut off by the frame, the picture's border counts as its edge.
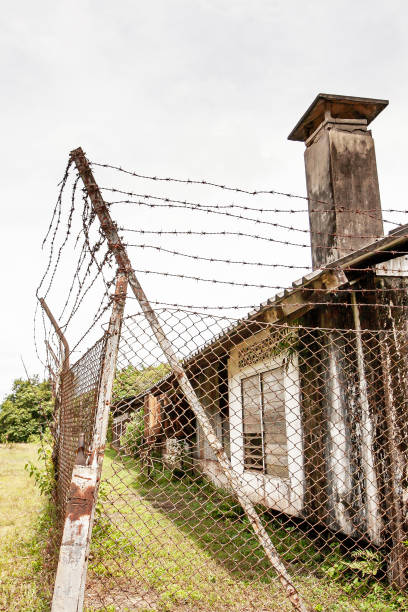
(266, 429)
(264, 424)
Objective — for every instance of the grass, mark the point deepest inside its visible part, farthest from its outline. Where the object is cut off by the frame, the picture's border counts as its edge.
(166, 543)
(24, 529)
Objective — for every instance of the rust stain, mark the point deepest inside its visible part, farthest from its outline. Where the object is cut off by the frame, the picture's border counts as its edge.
(80, 502)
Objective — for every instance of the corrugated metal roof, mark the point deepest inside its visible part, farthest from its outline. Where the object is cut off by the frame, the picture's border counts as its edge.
(377, 249)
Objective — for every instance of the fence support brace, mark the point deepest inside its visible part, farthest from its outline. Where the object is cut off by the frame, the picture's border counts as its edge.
(58, 381)
(117, 248)
(70, 580)
(63, 340)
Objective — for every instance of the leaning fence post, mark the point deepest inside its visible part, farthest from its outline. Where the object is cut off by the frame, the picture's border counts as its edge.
(117, 248)
(69, 588)
(65, 360)
(59, 381)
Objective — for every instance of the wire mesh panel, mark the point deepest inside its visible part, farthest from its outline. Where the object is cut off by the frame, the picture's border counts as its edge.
(79, 389)
(314, 423)
(299, 410)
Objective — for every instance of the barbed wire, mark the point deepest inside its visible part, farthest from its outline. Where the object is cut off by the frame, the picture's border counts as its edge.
(207, 233)
(185, 203)
(88, 218)
(198, 182)
(244, 218)
(217, 260)
(35, 333)
(208, 183)
(66, 237)
(81, 297)
(369, 248)
(266, 305)
(80, 261)
(250, 263)
(55, 214)
(97, 317)
(262, 286)
(88, 257)
(92, 262)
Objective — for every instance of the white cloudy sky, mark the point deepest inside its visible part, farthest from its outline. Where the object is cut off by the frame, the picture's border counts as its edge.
(203, 88)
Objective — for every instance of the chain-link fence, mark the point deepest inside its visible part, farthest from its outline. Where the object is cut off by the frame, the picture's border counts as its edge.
(76, 415)
(252, 464)
(313, 422)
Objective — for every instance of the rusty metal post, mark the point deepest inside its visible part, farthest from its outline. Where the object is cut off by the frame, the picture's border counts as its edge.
(59, 381)
(108, 370)
(53, 355)
(69, 588)
(65, 361)
(234, 480)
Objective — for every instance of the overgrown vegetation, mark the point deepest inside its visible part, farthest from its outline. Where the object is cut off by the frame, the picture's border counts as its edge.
(42, 471)
(26, 411)
(172, 543)
(27, 558)
(133, 436)
(130, 381)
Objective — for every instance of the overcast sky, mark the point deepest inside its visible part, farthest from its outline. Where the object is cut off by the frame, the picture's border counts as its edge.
(202, 88)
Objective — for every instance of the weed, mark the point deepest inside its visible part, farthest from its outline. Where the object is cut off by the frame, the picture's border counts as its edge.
(42, 471)
(190, 545)
(27, 557)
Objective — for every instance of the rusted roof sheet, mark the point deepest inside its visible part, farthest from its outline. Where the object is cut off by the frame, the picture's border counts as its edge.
(371, 254)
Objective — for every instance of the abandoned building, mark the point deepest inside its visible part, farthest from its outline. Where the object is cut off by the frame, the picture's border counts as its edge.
(309, 392)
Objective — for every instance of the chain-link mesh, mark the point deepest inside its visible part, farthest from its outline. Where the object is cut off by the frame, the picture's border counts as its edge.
(79, 389)
(314, 423)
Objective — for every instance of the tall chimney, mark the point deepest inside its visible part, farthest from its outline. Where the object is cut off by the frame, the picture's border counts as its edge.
(341, 175)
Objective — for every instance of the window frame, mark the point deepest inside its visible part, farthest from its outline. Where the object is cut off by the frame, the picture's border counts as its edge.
(284, 494)
(261, 406)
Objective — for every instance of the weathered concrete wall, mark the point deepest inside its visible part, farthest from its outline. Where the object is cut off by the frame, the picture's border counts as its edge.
(338, 425)
(342, 184)
(392, 428)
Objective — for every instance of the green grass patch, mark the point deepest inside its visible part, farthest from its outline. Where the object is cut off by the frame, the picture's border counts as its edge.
(163, 542)
(25, 523)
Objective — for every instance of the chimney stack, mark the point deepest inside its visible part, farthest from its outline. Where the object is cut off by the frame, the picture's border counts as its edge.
(341, 175)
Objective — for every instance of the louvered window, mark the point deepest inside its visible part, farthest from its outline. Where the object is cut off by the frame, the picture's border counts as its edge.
(264, 426)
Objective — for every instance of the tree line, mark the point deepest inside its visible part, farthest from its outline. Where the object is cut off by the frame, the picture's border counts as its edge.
(26, 412)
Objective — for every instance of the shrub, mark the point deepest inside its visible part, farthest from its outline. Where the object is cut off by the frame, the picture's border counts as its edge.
(132, 439)
(43, 473)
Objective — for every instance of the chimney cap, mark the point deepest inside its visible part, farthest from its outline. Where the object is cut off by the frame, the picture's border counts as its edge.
(340, 107)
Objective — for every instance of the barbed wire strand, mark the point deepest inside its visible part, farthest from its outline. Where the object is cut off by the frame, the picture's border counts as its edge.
(203, 182)
(173, 203)
(269, 304)
(368, 249)
(56, 214)
(262, 286)
(249, 263)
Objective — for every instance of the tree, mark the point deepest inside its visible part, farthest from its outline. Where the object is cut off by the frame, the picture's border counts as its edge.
(129, 382)
(26, 411)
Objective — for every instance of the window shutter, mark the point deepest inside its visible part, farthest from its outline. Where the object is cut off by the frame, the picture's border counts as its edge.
(252, 417)
(273, 396)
